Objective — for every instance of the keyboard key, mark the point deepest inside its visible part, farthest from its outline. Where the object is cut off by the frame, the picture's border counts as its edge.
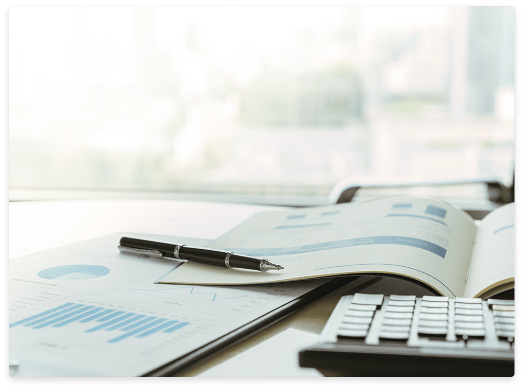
(353, 326)
(500, 302)
(505, 334)
(429, 316)
(357, 320)
(398, 315)
(433, 323)
(463, 324)
(399, 309)
(470, 332)
(357, 307)
(401, 303)
(374, 299)
(396, 322)
(503, 307)
(468, 306)
(468, 300)
(393, 335)
(475, 319)
(435, 298)
(468, 312)
(504, 313)
(387, 328)
(360, 313)
(433, 310)
(505, 327)
(433, 330)
(507, 320)
(351, 334)
(434, 304)
(402, 298)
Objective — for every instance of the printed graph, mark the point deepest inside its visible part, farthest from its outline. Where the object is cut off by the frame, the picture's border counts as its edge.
(504, 228)
(214, 301)
(371, 240)
(95, 319)
(198, 292)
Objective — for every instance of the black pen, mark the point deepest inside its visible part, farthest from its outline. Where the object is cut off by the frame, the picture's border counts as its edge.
(204, 256)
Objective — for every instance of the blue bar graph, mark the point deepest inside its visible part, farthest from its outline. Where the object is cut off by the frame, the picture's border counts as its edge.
(40, 315)
(110, 323)
(60, 318)
(176, 327)
(113, 315)
(134, 325)
(103, 313)
(77, 317)
(128, 324)
(156, 329)
(74, 307)
(138, 330)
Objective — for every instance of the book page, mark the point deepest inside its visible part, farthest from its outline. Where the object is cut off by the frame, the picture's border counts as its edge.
(425, 239)
(493, 259)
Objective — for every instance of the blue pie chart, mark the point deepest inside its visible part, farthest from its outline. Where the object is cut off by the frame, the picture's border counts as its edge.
(73, 272)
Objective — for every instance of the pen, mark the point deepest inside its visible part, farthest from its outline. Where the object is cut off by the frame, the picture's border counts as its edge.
(204, 256)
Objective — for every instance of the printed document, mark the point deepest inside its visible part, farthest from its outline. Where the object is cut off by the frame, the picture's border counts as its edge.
(87, 310)
(423, 239)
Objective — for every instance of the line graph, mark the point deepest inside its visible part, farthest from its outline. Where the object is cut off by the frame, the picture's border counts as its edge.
(204, 294)
(194, 290)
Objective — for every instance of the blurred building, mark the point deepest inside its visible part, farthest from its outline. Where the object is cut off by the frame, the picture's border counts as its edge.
(320, 99)
(482, 58)
(421, 68)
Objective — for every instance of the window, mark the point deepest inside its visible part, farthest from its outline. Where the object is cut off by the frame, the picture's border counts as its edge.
(258, 100)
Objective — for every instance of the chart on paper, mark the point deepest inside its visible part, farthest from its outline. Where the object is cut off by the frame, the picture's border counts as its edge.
(118, 324)
(219, 301)
(94, 327)
(86, 311)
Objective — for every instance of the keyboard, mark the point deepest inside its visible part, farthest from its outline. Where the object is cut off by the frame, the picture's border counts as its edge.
(399, 335)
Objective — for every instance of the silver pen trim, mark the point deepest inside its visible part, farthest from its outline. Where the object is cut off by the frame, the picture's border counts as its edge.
(228, 255)
(265, 265)
(176, 251)
(141, 252)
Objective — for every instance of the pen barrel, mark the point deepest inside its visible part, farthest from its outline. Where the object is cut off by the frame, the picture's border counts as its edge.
(165, 248)
(243, 262)
(218, 258)
(203, 256)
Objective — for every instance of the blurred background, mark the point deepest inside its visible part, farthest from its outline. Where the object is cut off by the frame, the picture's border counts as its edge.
(256, 102)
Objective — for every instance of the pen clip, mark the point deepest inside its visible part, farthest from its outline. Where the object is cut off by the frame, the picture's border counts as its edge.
(141, 252)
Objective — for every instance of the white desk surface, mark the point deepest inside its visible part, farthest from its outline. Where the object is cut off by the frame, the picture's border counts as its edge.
(39, 226)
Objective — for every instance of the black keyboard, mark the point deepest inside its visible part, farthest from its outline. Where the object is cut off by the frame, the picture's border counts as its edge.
(377, 335)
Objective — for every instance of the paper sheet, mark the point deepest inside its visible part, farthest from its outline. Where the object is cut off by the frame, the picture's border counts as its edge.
(87, 310)
(280, 358)
(493, 260)
(422, 238)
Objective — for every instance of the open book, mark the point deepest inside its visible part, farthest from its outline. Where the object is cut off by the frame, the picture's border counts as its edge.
(423, 239)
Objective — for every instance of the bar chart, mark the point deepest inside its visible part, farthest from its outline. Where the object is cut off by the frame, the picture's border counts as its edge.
(124, 324)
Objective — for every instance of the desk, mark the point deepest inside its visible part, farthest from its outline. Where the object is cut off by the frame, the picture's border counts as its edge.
(38, 226)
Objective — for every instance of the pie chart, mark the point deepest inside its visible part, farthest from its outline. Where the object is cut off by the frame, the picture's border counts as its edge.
(73, 272)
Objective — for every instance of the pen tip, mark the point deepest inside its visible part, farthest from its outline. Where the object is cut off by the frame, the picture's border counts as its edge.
(270, 266)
